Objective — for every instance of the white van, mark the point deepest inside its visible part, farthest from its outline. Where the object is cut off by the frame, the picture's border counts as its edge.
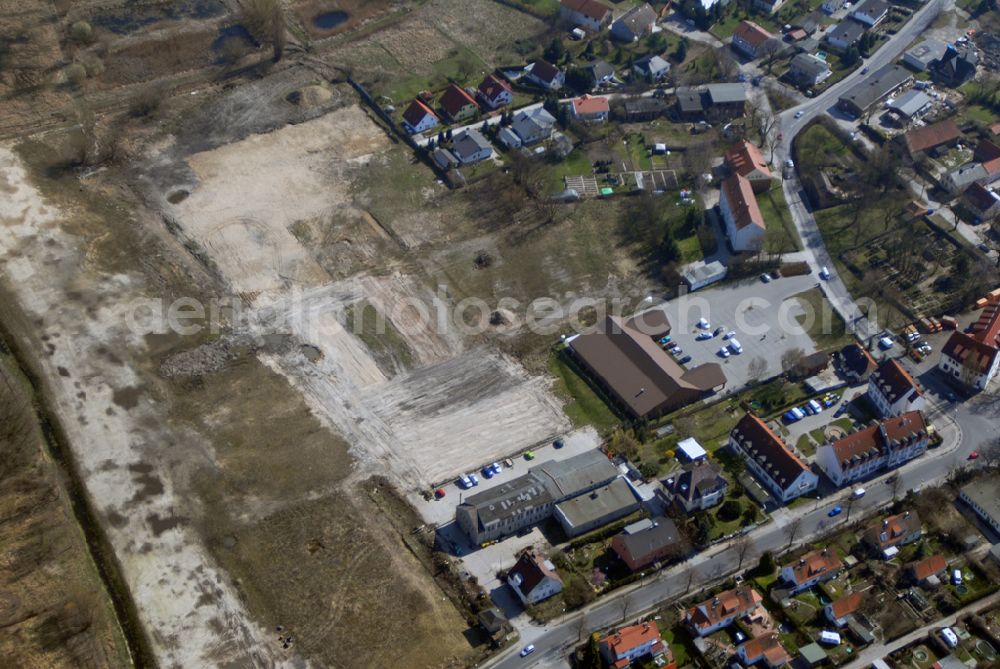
(830, 638)
(735, 345)
(949, 637)
(858, 493)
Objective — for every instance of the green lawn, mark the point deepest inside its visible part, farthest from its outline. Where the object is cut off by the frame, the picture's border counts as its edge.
(806, 445)
(775, 211)
(576, 164)
(690, 249)
(818, 435)
(825, 326)
(679, 645)
(584, 406)
(404, 89)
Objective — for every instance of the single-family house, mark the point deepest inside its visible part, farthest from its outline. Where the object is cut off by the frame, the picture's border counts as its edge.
(533, 578)
(864, 96)
(981, 496)
(973, 357)
(745, 225)
(782, 473)
(932, 138)
(746, 160)
(546, 75)
(651, 67)
(590, 109)
(418, 117)
(589, 14)
(831, 6)
(855, 363)
(925, 54)
(811, 569)
(495, 92)
(724, 102)
(839, 610)
(870, 13)
(533, 125)
(885, 536)
(748, 38)
(721, 610)
(699, 486)
(957, 65)
(765, 650)
(634, 24)
(647, 542)
(444, 158)
(689, 106)
(844, 35)
(875, 448)
(927, 572)
(457, 104)
(983, 203)
(627, 644)
(893, 391)
(806, 70)
(643, 109)
(600, 72)
(469, 146)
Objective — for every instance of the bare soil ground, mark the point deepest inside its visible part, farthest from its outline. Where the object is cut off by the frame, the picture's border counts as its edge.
(54, 611)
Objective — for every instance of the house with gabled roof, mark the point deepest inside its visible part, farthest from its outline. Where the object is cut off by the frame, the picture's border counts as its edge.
(855, 363)
(885, 536)
(984, 169)
(864, 453)
(765, 650)
(974, 357)
(632, 642)
(741, 214)
(590, 109)
(543, 73)
(495, 92)
(533, 578)
(870, 13)
(418, 118)
(807, 70)
(749, 37)
(926, 572)
(589, 14)
(533, 125)
(722, 610)
(811, 569)
(983, 203)
(839, 611)
(469, 146)
(932, 138)
(782, 473)
(652, 67)
(634, 24)
(893, 391)
(457, 104)
(746, 160)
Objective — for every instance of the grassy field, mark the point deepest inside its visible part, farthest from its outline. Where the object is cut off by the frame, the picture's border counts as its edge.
(827, 330)
(583, 405)
(775, 211)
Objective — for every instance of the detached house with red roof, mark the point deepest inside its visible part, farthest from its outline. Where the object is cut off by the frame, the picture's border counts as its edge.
(893, 391)
(782, 473)
(973, 357)
(838, 612)
(588, 14)
(811, 569)
(418, 117)
(495, 92)
(746, 160)
(630, 643)
(884, 537)
(722, 610)
(886, 445)
(534, 578)
(748, 38)
(590, 109)
(932, 138)
(744, 221)
(766, 650)
(926, 572)
(457, 104)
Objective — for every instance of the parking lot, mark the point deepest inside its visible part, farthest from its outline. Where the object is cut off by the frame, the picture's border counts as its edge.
(760, 314)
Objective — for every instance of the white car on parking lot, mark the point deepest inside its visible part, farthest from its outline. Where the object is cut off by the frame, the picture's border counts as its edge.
(723, 352)
(729, 335)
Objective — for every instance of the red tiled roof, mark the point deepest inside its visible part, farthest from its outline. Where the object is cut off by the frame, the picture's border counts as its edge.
(633, 636)
(751, 33)
(995, 128)
(987, 327)
(814, 563)
(966, 350)
(988, 154)
(895, 528)
(743, 202)
(894, 382)
(846, 605)
(492, 86)
(588, 104)
(767, 646)
(592, 9)
(767, 447)
(455, 99)
(416, 112)
(871, 441)
(736, 602)
(744, 157)
(927, 567)
(931, 136)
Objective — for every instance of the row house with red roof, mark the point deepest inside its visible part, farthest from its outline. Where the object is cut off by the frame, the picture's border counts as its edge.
(883, 446)
(893, 390)
(721, 611)
(811, 569)
(973, 357)
(782, 472)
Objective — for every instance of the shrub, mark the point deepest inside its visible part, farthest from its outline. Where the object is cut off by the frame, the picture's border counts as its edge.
(76, 74)
(730, 510)
(81, 32)
(92, 64)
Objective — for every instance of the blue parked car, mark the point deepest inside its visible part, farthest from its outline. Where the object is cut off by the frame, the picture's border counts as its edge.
(835, 511)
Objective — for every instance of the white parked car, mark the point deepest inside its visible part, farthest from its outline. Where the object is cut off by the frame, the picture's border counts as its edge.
(824, 273)
(723, 352)
(735, 345)
(703, 324)
(729, 335)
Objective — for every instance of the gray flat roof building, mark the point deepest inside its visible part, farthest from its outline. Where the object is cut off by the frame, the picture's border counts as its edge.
(910, 103)
(983, 497)
(723, 94)
(863, 96)
(922, 55)
(596, 508)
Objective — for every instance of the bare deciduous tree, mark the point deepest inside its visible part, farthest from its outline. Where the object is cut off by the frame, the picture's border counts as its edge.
(265, 19)
(743, 545)
(792, 530)
(756, 369)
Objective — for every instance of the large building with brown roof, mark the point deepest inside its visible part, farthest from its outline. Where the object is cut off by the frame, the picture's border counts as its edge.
(811, 569)
(973, 357)
(746, 160)
(722, 610)
(744, 221)
(783, 474)
(647, 542)
(638, 375)
(885, 535)
(876, 448)
(893, 390)
(930, 138)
